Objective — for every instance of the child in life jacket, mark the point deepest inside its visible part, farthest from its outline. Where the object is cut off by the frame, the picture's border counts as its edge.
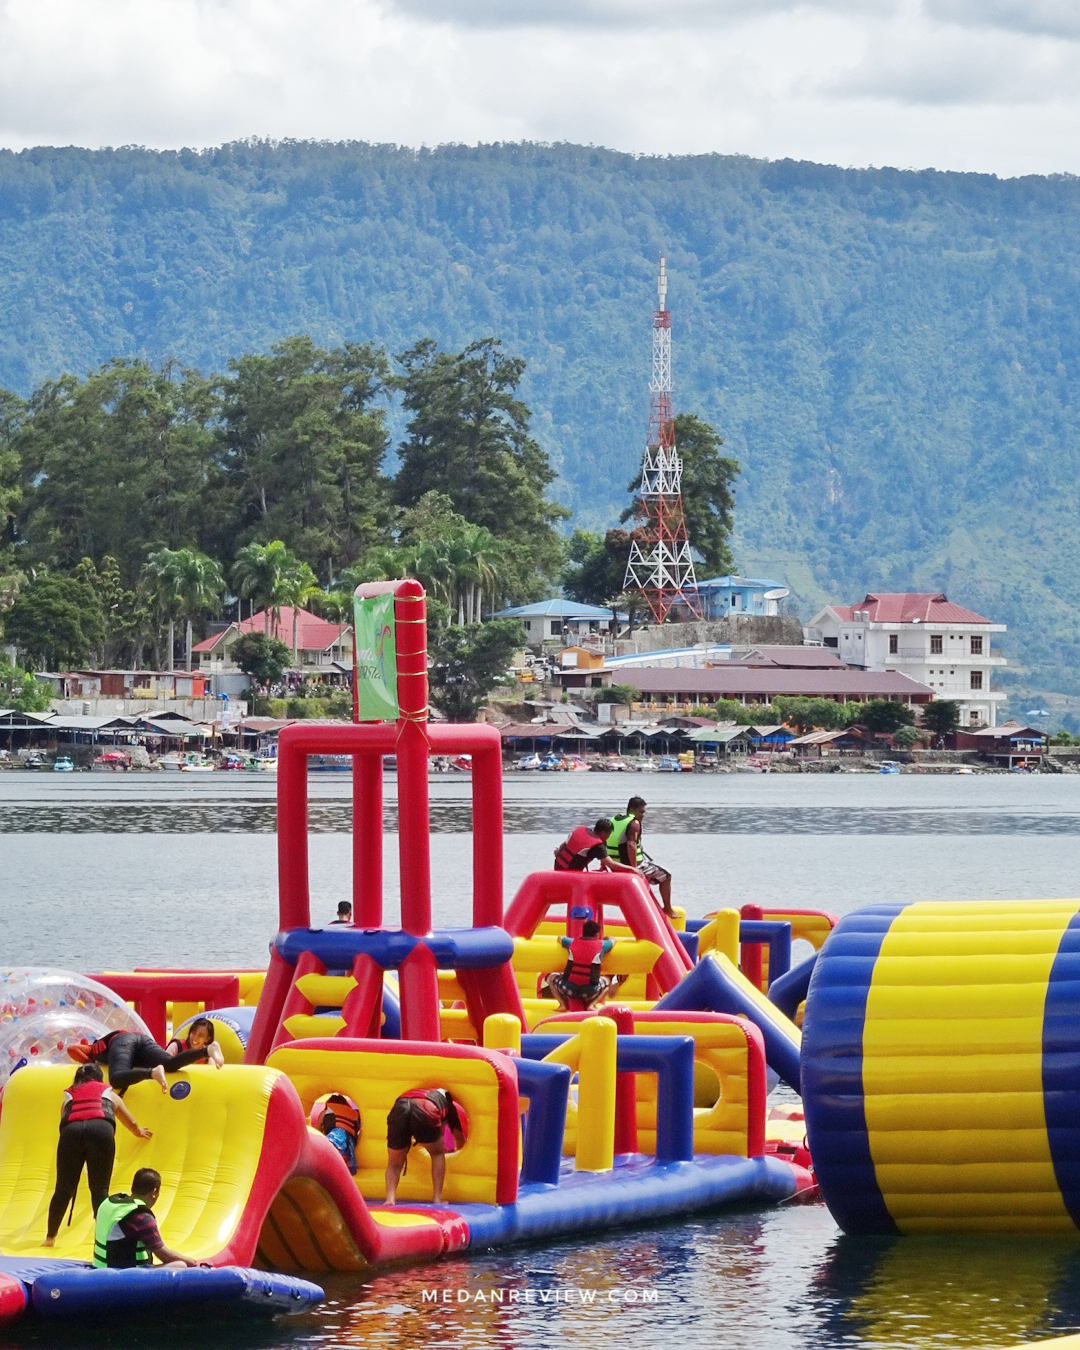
(200, 1036)
(132, 1058)
(581, 980)
(420, 1116)
(341, 1124)
(87, 1139)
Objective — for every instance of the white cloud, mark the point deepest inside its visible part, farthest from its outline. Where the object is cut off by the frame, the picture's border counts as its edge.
(967, 84)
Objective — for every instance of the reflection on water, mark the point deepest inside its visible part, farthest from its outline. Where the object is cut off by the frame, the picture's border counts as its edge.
(231, 813)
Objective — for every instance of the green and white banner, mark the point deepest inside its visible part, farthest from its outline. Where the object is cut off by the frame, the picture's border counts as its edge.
(376, 658)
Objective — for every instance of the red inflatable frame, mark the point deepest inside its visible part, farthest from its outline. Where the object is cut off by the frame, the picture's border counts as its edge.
(412, 739)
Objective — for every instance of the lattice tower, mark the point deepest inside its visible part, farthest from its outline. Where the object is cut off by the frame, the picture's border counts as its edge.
(660, 564)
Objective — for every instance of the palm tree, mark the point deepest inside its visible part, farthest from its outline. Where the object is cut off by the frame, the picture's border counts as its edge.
(485, 559)
(259, 574)
(160, 574)
(186, 584)
(298, 584)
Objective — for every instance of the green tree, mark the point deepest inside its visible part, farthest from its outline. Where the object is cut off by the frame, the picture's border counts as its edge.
(468, 662)
(55, 620)
(188, 584)
(118, 464)
(262, 658)
(906, 737)
(708, 493)
(261, 573)
(809, 714)
(12, 413)
(120, 609)
(299, 584)
(19, 690)
(302, 443)
(596, 566)
(468, 439)
(882, 716)
(625, 694)
(941, 716)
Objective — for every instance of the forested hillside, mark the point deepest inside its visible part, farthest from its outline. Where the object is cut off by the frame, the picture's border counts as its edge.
(894, 358)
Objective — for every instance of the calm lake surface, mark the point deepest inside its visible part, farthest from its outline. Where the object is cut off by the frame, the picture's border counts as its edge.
(118, 871)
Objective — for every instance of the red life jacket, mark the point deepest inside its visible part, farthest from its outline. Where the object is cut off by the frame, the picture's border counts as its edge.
(88, 1102)
(100, 1049)
(584, 964)
(435, 1113)
(568, 852)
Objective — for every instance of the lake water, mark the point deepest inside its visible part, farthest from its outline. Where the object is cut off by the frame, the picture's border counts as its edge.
(111, 870)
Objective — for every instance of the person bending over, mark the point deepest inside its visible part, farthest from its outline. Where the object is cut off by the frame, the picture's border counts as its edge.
(87, 1139)
(126, 1234)
(581, 979)
(420, 1117)
(585, 846)
(132, 1058)
(624, 843)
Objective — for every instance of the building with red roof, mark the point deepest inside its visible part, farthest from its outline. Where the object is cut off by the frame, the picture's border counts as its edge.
(925, 636)
(324, 649)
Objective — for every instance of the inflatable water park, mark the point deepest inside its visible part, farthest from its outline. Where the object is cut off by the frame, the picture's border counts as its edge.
(935, 1048)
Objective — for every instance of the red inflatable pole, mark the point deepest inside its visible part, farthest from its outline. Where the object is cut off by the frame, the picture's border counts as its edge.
(487, 828)
(410, 622)
(307, 963)
(362, 1009)
(264, 1024)
(294, 901)
(418, 981)
(626, 1140)
(367, 840)
(750, 952)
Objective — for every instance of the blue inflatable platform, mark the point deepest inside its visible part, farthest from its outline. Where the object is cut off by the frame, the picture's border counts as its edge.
(70, 1289)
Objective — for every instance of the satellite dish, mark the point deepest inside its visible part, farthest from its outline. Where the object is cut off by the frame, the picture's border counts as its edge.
(778, 594)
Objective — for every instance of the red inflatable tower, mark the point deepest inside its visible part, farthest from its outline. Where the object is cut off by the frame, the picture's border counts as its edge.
(391, 718)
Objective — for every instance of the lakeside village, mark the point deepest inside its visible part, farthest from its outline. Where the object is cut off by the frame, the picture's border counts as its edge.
(892, 683)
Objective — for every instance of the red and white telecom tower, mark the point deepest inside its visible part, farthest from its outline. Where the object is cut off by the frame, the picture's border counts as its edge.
(660, 565)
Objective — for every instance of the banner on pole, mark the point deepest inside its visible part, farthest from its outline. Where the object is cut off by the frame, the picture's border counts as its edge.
(376, 658)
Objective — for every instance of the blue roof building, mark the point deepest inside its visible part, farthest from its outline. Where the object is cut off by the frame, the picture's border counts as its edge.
(722, 596)
(559, 620)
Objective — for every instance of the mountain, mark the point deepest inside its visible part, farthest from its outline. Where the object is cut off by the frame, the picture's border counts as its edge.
(894, 357)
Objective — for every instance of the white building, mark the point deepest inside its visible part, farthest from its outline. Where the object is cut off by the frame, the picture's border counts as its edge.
(926, 637)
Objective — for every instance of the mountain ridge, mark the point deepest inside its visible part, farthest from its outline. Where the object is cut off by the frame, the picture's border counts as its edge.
(892, 355)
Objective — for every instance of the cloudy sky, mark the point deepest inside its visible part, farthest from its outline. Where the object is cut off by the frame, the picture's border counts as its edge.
(991, 85)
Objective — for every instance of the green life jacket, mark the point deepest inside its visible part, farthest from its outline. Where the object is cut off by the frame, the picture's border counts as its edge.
(614, 839)
(109, 1236)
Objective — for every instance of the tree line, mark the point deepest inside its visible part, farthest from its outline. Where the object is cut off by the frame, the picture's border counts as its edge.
(138, 502)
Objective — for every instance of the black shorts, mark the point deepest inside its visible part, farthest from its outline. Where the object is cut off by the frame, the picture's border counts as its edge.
(653, 874)
(407, 1123)
(562, 987)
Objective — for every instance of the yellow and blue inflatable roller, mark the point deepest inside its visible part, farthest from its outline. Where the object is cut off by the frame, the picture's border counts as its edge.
(941, 1068)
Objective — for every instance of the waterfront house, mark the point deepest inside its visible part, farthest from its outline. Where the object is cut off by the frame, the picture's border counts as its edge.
(1006, 745)
(924, 636)
(561, 621)
(324, 649)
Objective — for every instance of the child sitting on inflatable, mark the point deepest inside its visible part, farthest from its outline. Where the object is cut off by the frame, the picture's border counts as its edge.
(132, 1058)
(87, 1139)
(581, 981)
(420, 1116)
